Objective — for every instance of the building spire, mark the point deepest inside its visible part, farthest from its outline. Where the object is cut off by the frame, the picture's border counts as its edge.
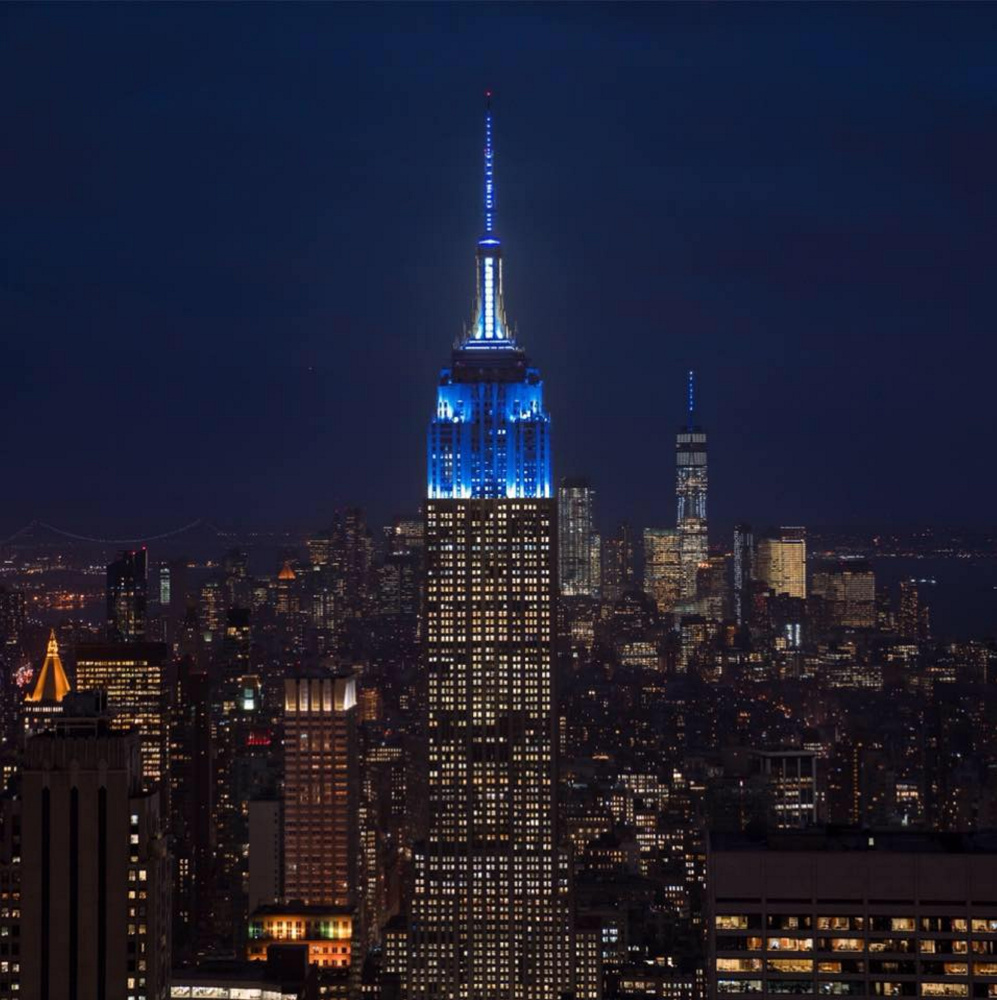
(489, 328)
(489, 168)
(691, 397)
(52, 685)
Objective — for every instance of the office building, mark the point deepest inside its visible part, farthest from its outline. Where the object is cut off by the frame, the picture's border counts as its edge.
(691, 483)
(320, 791)
(134, 676)
(577, 576)
(351, 551)
(127, 597)
(744, 571)
(287, 591)
(712, 591)
(781, 562)
(326, 931)
(913, 620)
(848, 590)
(662, 567)
(95, 917)
(486, 920)
(849, 912)
(399, 578)
(617, 559)
(192, 811)
(784, 782)
(211, 609)
(266, 852)
(10, 896)
(12, 615)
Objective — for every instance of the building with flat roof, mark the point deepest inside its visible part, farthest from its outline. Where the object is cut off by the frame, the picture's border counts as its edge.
(320, 842)
(327, 931)
(836, 911)
(134, 675)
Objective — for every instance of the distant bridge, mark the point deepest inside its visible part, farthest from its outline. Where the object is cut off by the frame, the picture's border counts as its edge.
(36, 526)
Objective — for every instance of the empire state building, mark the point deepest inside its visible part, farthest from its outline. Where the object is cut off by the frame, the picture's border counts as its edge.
(487, 916)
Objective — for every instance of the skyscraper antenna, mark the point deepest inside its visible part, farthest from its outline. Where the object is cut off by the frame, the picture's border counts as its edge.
(489, 164)
(692, 396)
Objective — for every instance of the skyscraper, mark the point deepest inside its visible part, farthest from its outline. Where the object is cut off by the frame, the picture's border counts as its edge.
(485, 917)
(351, 550)
(617, 564)
(690, 492)
(11, 853)
(44, 701)
(320, 790)
(192, 810)
(127, 597)
(134, 676)
(662, 567)
(12, 615)
(849, 593)
(781, 562)
(913, 619)
(95, 875)
(577, 575)
(744, 571)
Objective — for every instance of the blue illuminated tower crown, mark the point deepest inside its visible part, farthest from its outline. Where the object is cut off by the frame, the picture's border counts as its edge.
(490, 435)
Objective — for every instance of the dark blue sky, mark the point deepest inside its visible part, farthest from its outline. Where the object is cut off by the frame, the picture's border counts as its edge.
(238, 242)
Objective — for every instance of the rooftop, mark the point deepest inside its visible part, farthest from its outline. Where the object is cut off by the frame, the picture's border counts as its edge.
(849, 838)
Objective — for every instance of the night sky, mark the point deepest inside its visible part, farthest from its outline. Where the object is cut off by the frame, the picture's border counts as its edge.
(238, 243)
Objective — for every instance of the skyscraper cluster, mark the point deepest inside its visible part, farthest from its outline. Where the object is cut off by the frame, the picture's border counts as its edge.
(494, 748)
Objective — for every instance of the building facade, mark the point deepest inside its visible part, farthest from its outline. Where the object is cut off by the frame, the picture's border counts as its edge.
(663, 567)
(134, 676)
(320, 791)
(617, 564)
(849, 593)
(781, 562)
(10, 896)
(849, 912)
(95, 871)
(127, 596)
(577, 571)
(744, 571)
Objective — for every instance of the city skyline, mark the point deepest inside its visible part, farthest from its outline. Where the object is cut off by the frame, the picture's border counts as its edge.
(807, 271)
(523, 729)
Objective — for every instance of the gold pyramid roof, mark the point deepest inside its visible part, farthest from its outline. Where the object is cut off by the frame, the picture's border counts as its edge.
(287, 573)
(52, 683)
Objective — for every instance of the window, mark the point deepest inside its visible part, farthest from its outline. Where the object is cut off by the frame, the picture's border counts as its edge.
(845, 944)
(790, 965)
(735, 922)
(840, 923)
(788, 922)
(790, 944)
(728, 986)
(739, 965)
